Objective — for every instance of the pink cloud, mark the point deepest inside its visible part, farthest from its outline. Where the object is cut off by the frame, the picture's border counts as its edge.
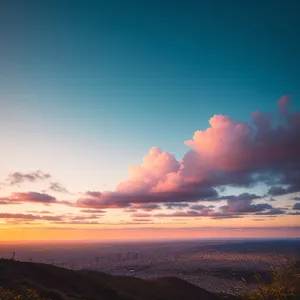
(145, 178)
(227, 153)
(32, 197)
(6, 201)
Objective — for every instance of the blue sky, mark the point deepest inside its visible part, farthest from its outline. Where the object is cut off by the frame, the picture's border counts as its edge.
(88, 87)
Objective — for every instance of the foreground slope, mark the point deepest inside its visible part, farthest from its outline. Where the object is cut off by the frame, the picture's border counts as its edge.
(62, 284)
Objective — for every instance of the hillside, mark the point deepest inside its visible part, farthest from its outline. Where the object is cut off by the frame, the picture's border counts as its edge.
(62, 284)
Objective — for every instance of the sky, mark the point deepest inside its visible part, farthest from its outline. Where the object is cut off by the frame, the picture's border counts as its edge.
(149, 119)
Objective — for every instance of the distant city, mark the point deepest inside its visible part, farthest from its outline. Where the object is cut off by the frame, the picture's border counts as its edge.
(217, 266)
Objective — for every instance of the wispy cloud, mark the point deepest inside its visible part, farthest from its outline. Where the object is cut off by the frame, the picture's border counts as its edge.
(29, 217)
(32, 197)
(57, 187)
(17, 178)
(94, 211)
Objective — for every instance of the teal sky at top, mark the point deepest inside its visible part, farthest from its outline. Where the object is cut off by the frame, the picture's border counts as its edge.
(122, 76)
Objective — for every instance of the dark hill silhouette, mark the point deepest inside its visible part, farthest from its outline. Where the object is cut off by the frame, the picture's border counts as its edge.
(62, 284)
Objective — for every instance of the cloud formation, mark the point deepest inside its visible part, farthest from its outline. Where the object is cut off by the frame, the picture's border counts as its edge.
(146, 206)
(272, 212)
(99, 200)
(243, 204)
(32, 197)
(29, 217)
(229, 152)
(57, 187)
(55, 219)
(19, 177)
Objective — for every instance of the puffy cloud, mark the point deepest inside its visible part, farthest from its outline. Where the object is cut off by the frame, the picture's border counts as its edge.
(239, 153)
(146, 178)
(57, 187)
(239, 205)
(223, 146)
(19, 177)
(227, 153)
(244, 206)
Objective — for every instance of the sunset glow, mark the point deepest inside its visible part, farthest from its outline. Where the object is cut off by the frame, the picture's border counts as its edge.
(127, 129)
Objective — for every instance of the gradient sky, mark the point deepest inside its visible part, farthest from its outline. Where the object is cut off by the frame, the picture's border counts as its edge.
(87, 88)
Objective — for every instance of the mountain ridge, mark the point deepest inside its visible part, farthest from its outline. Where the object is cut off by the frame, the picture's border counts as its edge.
(63, 284)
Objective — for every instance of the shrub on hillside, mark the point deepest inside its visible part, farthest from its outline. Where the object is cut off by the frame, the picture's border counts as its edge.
(28, 295)
(284, 285)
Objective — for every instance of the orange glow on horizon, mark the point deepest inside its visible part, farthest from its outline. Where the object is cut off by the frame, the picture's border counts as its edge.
(38, 234)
